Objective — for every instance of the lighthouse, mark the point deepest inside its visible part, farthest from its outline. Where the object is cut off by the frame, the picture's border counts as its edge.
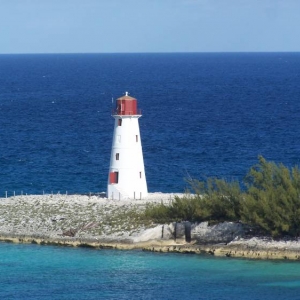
(126, 178)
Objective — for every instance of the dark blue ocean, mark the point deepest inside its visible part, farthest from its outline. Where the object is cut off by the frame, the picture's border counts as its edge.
(203, 115)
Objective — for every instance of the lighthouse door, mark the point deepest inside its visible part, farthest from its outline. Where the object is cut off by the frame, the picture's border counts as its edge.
(113, 177)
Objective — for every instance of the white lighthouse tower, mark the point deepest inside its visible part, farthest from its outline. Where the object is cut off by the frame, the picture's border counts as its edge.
(126, 178)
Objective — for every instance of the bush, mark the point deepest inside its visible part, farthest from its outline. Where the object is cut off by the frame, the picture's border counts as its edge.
(213, 200)
(271, 200)
(158, 213)
(220, 199)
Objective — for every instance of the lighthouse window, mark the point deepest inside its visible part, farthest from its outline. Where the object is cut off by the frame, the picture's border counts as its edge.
(136, 138)
(140, 174)
(117, 156)
(119, 122)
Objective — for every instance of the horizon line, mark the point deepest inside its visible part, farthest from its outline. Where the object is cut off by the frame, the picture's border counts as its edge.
(162, 52)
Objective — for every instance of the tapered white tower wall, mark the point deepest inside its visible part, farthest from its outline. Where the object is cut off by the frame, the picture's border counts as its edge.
(126, 178)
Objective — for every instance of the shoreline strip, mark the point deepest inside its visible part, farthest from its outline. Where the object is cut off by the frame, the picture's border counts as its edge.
(167, 246)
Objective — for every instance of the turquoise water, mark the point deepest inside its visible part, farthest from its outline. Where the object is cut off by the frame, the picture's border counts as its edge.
(46, 272)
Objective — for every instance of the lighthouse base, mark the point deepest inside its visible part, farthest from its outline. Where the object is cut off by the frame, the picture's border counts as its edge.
(115, 192)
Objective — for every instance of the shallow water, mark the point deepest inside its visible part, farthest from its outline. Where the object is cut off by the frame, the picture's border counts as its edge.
(46, 272)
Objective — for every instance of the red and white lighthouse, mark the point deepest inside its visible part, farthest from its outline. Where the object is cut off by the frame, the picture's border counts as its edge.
(126, 177)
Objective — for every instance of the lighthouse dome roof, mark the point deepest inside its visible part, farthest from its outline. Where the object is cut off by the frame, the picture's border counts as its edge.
(126, 97)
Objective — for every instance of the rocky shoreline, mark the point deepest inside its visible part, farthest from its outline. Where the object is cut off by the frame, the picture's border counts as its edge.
(100, 223)
(242, 249)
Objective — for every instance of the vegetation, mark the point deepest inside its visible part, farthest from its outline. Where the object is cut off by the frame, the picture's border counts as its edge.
(272, 199)
(269, 201)
(212, 200)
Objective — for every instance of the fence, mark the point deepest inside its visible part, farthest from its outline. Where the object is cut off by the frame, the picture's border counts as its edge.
(166, 200)
(8, 194)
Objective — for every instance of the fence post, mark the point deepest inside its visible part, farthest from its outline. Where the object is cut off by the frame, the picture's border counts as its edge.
(5, 194)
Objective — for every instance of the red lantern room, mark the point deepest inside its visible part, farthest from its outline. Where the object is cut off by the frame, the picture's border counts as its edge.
(126, 105)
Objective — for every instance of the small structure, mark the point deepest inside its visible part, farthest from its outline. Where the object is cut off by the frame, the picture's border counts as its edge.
(126, 177)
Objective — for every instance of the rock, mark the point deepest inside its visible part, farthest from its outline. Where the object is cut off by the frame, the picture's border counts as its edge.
(221, 233)
(178, 230)
(149, 234)
(71, 232)
(167, 232)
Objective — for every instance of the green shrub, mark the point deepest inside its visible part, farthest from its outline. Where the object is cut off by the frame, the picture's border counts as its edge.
(213, 200)
(220, 199)
(158, 213)
(270, 201)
